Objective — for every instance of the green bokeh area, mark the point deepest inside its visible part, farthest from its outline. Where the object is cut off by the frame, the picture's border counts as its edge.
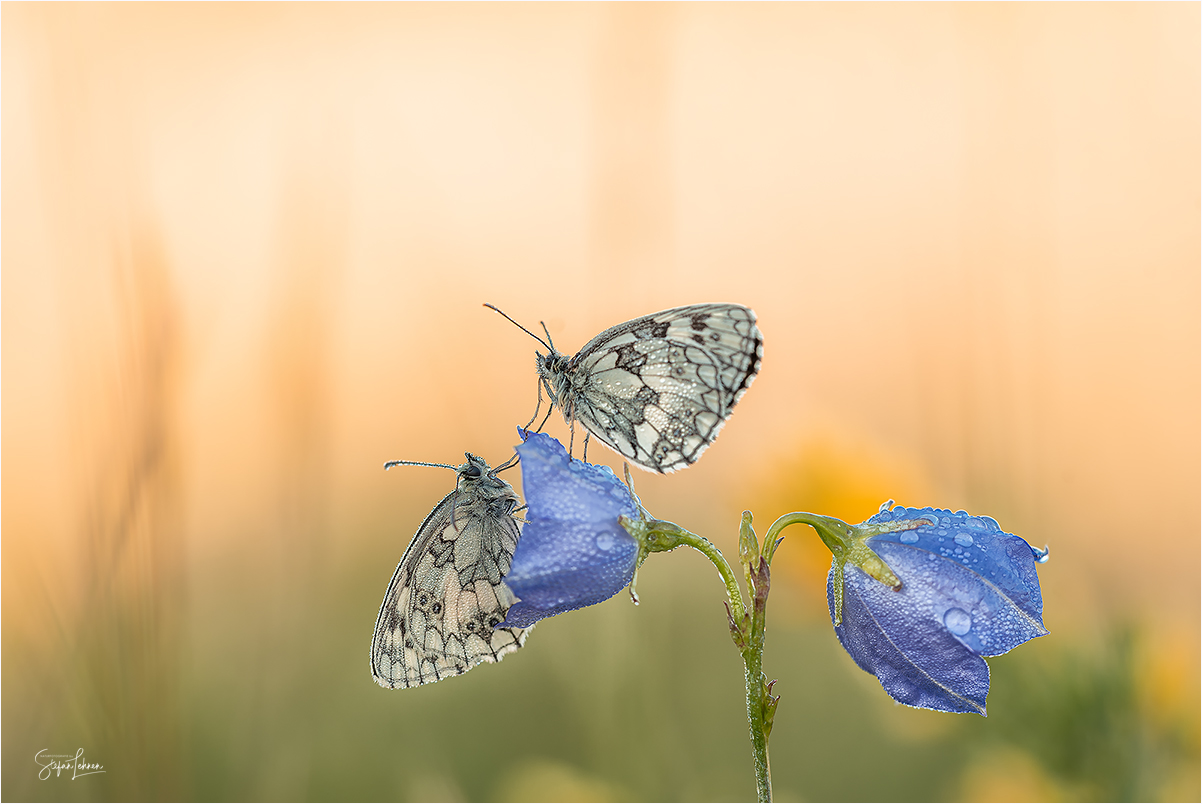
(615, 702)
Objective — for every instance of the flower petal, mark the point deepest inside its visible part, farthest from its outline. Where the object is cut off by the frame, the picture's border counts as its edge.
(968, 590)
(572, 552)
(972, 577)
(917, 665)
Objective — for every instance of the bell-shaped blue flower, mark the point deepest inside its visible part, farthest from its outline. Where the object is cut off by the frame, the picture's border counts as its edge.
(968, 590)
(572, 552)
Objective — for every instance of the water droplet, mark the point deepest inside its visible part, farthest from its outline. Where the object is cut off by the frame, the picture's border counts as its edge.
(958, 621)
(605, 542)
(1040, 555)
(964, 540)
(909, 536)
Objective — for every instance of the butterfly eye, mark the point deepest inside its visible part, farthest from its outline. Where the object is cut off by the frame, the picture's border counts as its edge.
(472, 473)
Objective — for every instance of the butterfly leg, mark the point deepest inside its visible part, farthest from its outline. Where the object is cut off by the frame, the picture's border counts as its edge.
(585, 455)
(537, 408)
(571, 436)
(513, 461)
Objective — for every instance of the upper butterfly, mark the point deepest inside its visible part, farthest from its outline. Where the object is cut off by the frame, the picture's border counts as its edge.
(657, 389)
(447, 594)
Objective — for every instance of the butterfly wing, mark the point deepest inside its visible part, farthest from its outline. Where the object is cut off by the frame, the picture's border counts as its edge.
(446, 595)
(658, 389)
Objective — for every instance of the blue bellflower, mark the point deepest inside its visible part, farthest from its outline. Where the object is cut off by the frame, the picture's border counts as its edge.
(572, 552)
(968, 590)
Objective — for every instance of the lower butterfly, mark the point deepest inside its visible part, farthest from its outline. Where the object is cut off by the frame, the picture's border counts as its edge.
(656, 389)
(447, 594)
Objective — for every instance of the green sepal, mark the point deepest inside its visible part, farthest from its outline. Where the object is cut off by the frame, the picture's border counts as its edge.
(847, 544)
(738, 628)
(770, 702)
(749, 550)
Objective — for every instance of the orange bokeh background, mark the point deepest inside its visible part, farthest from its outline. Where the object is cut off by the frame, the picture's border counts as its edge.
(245, 249)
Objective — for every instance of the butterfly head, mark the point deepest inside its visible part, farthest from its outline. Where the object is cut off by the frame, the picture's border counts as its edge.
(479, 482)
(557, 379)
(473, 469)
(552, 364)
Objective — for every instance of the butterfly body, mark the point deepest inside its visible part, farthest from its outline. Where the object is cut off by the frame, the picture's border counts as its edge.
(448, 592)
(657, 389)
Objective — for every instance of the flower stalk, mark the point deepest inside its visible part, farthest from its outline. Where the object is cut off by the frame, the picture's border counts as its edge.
(747, 622)
(917, 597)
(761, 703)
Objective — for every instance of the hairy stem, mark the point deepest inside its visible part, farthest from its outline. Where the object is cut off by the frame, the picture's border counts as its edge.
(746, 628)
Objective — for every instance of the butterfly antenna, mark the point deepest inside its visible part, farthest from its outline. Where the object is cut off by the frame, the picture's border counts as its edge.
(523, 329)
(549, 341)
(391, 464)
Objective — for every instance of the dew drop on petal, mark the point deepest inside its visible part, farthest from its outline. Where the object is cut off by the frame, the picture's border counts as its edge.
(963, 539)
(605, 542)
(958, 621)
(908, 536)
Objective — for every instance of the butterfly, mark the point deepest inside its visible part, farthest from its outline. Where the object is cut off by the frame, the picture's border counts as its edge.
(447, 593)
(656, 389)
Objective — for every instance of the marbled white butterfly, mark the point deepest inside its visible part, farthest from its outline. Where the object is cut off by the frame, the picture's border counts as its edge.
(659, 388)
(447, 593)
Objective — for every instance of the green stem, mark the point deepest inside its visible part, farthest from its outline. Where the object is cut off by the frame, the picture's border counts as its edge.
(706, 548)
(747, 631)
(827, 527)
(846, 543)
(759, 698)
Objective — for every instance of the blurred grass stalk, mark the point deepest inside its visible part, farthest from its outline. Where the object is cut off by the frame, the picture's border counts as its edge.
(121, 649)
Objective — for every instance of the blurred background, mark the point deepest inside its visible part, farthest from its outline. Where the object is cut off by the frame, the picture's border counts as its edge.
(245, 249)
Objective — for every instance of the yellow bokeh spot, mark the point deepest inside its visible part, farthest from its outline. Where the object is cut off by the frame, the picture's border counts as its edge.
(548, 780)
(835, 475)
(1009, 775)
(1166, 675)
